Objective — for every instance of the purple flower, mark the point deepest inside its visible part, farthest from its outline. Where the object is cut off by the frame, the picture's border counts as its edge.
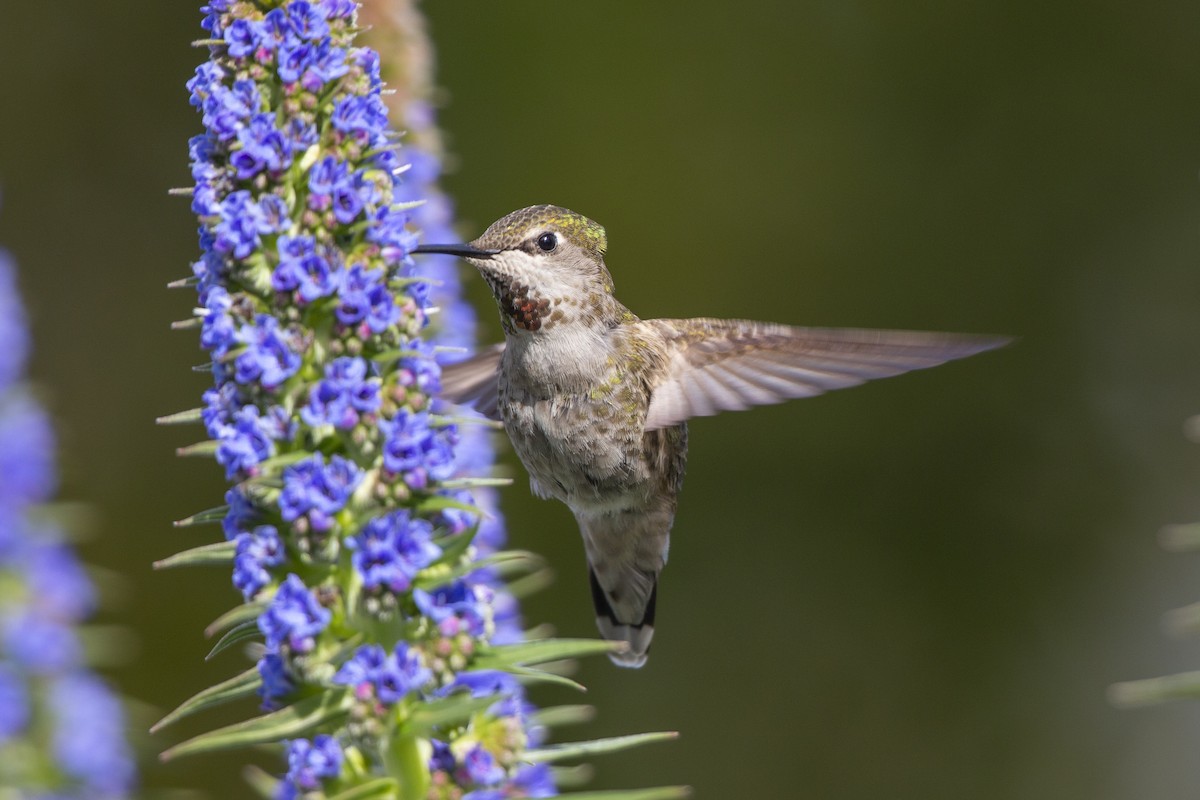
(456, 607)
(416, 450)
(534, 780)
(391, 550)
(38, 644)
(294, 617)
(318, 489)
(256, 551)
(481, 767)
(362, 116)
(311, 762)
(344, 395)
(388, 677)
(365, 300)
(14, 703)
(89, 735)
(268, 359)
(276, 680)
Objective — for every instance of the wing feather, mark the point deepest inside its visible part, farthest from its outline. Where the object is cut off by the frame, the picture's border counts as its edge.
(729, 365)
(475, 381)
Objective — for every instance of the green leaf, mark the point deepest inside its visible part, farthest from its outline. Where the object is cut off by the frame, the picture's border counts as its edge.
(286, 723)
(277, 463)
(262, 782)
(429, 579)
(438, 502)
(541, 676)
(453, 710)
(235, 616)
(1180, 538)
(189, 417)
(235, 688)
(656, 793)
(557, 752)
(527, 653)
(471, 483)
(205, 517)
(207, 449)
(382, 787)
(563, 715)
(238, 633)
(1155, 690)
(206, 555)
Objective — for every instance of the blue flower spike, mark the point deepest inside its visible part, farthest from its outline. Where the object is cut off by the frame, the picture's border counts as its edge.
(62, 730)
(390, 656)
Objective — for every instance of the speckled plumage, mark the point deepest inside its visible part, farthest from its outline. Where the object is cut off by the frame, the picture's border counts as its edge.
(596, 400)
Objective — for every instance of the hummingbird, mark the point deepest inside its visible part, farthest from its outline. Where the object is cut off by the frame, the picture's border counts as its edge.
(596, 400)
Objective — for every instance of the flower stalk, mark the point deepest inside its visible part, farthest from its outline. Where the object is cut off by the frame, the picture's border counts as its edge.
(360, 527)
(62, 730)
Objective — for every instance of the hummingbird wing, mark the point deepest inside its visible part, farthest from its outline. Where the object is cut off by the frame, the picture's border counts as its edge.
(475, 381)
(728, 365)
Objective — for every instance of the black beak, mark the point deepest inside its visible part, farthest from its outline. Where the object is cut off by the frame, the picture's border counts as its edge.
(460, 250)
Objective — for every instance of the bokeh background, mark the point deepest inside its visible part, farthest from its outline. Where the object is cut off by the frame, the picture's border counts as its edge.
(915, 589)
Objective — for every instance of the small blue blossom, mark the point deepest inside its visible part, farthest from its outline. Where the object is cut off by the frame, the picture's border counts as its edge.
(256, 552)
(89, 735)
(318, 489)
(388, 677)
(311, 762)
(293, 618)
(481, 767)
(392, 549)
(365, 300)
(456, 607)
(38, 644)
(343, 396)
(268, 358)
(14, 703)
(416, 450)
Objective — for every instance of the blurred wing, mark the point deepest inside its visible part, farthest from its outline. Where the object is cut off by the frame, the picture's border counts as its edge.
(475, 381)
(729, 365)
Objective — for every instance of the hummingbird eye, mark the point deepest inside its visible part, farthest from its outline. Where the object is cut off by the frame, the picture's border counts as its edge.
(547, 242)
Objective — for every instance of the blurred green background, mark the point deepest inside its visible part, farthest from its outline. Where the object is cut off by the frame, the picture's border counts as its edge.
(915, 589)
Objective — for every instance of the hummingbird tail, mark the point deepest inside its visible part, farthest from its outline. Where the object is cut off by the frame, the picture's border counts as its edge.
(637, 636)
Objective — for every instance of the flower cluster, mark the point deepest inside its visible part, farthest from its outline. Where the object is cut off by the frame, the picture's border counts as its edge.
(364, 545)
(61, 729)
(353, 523)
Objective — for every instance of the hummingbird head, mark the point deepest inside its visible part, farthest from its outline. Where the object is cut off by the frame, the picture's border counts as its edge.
(545, 265)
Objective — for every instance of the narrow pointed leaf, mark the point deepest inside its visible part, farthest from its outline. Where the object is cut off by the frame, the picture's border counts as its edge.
(238, 633)
(429, 579)
(471, 483)
(614, 744)
(453, 710)
(382, 788)
(528, 653)
(234, 616)
(437, 502)
(1155, 690)
(656, 793)
(1180, 538)
(286, 723)
(191, 323)
(262, 782)
(184, 283)
(207, 555)
(530, 675)
(207, 449)
(563, 715)
(206, 517)
(189, 417)
(237, 687)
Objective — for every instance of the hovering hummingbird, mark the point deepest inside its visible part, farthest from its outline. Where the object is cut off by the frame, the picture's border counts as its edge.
(596, 400)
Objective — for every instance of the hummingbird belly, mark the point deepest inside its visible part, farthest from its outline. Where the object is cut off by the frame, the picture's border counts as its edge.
(588, 454)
